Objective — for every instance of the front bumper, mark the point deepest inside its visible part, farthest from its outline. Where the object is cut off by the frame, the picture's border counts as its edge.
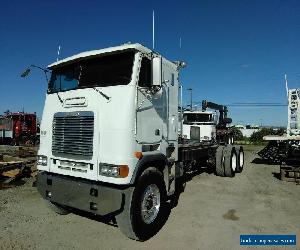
(81, 194)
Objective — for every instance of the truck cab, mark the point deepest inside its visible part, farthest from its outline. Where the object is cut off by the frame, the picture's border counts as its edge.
(199, 125)
(102, 107)
(110, 118)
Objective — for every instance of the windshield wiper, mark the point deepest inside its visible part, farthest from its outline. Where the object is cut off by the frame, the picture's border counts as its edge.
(101, 93)
(97, 90)
(59, 98)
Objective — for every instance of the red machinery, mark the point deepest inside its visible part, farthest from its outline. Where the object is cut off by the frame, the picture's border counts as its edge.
(18, 128)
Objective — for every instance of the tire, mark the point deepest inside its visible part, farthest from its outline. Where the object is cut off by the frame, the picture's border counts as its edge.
(240, 160)
(220, 161)
(228, 140)
(14, 142)
(133, 221)
(57, 208)
(230, 162)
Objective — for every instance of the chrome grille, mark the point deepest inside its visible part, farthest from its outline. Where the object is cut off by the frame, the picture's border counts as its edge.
(73, 133)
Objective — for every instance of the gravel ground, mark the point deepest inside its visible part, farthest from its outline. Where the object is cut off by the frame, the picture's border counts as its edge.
(211, 213)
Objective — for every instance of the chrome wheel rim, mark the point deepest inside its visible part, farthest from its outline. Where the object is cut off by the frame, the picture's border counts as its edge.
(150, 203)
(233, 162)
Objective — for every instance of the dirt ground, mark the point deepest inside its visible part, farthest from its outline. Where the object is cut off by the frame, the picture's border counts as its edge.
(211, 213)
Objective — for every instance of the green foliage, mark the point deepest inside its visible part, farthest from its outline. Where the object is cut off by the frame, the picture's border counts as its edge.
(237, 134)
(280, 131)
(257, 137)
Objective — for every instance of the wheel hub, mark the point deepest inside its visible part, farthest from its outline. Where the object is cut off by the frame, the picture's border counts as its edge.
(150, 203)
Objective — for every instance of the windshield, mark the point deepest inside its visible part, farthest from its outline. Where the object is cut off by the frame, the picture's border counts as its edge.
(109, 70)
(190, 118)
(5, 123)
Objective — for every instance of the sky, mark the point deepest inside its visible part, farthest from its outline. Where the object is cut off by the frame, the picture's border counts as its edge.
(236, 50)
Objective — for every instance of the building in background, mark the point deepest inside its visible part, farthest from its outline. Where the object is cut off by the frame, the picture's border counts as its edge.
(247, 130)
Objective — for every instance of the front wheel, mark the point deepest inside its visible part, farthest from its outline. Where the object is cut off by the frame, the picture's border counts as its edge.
(144, 210)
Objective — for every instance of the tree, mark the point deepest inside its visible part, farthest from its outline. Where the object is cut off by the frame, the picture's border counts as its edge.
(237, 134)
(257, 137)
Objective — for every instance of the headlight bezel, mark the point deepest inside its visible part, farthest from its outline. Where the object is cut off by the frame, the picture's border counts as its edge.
(111, 170)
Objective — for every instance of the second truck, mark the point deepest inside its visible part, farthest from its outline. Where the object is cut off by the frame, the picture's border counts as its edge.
(109, 140)
(207, 125)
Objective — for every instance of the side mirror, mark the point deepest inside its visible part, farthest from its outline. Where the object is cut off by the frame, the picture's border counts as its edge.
(25, 73)
(156, 71)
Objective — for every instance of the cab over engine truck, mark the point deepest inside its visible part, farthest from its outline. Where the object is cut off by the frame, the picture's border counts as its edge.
(109, 138)
(18, 128)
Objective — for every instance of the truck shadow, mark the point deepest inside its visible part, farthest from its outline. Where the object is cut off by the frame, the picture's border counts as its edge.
(111, 220)
(181, 182)
(108, 219)
(276, 175)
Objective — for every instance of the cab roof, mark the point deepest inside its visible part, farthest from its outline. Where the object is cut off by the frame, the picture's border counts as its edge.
(99, 52)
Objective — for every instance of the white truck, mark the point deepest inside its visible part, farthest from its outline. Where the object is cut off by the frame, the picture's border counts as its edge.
(109, 142)
(199, 125)
(206, 125)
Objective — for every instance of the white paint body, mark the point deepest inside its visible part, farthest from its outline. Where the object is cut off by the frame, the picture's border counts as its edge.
(207, 128)
(123, 125)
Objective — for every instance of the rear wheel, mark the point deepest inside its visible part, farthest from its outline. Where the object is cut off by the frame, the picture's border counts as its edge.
(144, 210)
(58, 208)
(230, 162)
(240, 160)
(220, 161)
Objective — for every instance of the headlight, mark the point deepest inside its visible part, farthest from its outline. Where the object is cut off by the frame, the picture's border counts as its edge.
(113, 170)
(42, 160)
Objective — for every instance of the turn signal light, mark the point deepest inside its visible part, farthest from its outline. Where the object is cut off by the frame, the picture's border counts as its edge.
(138, 155)
(123, 171)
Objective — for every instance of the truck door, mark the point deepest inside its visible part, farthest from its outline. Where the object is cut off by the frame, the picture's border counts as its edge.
(151, 109)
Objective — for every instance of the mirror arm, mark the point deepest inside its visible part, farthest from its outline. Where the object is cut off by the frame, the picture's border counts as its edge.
(44, 70)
